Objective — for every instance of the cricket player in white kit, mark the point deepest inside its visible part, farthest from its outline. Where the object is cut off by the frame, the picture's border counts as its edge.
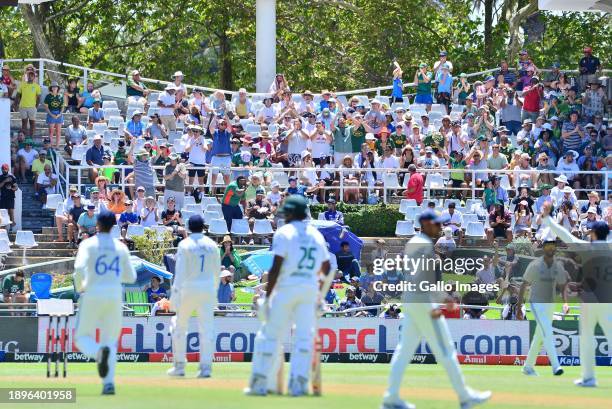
(194, 288)
(292, 295)
(423, 320)
(591, 313)
(102, 264)
(546, 275)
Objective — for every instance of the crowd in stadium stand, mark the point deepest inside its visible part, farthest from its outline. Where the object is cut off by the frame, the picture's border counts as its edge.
(178, 146)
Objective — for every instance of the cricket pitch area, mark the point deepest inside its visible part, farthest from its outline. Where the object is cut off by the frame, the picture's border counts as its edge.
(354, 386)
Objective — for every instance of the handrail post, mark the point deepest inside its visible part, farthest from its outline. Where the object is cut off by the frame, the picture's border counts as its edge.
(41, 72)
(85, 77)
(473, 183)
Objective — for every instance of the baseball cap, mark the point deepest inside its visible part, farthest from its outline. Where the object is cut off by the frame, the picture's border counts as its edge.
(196, 223)
(140, 189)
(430, 216)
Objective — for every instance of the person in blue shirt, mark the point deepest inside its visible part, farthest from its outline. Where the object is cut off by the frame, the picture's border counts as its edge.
(128, 217)
(155, 292)
(225, 292)
(95, 114)
(445, 86)
(347, 263)
(332, 214)
(398, 86)
(295, 188)
(135, 127)
(87, 95)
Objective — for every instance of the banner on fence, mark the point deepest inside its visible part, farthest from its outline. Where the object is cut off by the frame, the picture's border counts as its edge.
(18, 334)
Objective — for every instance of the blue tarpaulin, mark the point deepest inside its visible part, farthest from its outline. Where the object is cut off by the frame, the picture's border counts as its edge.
(145, 270)
(261, 260)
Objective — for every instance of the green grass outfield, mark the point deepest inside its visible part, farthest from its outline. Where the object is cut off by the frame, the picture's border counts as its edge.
(351, 386)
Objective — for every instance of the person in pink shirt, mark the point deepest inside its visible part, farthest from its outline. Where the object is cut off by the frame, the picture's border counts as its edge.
(415, 185)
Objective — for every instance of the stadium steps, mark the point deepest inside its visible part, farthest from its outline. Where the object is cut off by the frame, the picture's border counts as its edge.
(33, 216)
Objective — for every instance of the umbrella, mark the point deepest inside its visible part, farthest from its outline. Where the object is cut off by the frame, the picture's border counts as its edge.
(258, 262)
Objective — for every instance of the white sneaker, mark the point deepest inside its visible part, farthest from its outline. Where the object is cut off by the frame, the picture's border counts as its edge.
(257, 386)
(586, 383)
(476, 398)
(397, 405)
(204, 371)
(529, 371)
(178, 369)
(298, 386)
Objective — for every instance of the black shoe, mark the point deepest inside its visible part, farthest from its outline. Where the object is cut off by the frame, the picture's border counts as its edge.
(103, 363)
(558, 372)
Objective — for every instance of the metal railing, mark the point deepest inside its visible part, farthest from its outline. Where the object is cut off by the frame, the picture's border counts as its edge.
(108, 77)
(386, 184)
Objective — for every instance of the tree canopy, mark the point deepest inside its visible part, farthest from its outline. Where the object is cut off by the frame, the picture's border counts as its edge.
(336, 44)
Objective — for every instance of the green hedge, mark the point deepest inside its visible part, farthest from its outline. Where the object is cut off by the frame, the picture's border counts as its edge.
(366, 220)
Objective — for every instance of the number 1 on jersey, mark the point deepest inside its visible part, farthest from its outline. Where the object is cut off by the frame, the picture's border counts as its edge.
(202, 258)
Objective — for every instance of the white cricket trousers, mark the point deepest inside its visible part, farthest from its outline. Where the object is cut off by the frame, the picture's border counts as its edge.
(590, 315)
(418, 325)
(287, 305)
(543, 313)
(203, 302)
(98, 310)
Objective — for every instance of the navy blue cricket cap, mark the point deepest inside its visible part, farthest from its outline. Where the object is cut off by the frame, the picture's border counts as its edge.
(601, 229)
(107, 219)
(196, 224)
(431, 216)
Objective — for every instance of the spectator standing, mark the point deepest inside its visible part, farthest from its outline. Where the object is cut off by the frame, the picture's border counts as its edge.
(221, 148)
(28, 95)
(197, 147)
(423, 79)
(415, 185)
(398, 87)
(136, 89)
(167, 104)
(8, 187)
(143, 174)
(175, 174)
(594, 101)
(445, 86)
(588, 67)
(532, 94)
(342, 138)
(230, 204)
(225, 292)
(54, 104)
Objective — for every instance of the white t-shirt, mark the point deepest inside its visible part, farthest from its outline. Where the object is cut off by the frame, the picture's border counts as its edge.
(303, 250)
(389, 163)
(46, 180)
(320, 145)
(147, 217)
(197, 154)
(28, 156)
(166, 99)
(269, 113)
(274, 198)
(297, 143)
(429, 163)
(567, 169)
(304, 107)
(456, 217)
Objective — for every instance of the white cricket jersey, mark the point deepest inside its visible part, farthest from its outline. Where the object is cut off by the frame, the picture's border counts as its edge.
(544, 279)
(102, 264)
(419, 248)
(303, 250)
(197, 264)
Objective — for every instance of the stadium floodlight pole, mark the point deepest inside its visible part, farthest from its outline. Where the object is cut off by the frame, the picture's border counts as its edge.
(265, 48)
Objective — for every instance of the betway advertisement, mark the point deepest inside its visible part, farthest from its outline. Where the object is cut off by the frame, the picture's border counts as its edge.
(339, 335)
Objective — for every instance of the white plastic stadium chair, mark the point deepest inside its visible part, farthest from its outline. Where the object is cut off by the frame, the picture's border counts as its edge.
(209, 217)
(405, 204)
(282, 178)
(208, 200)
(475, 229)
(110, 105)
(217, 227)
(187, 214)
(195, 208)
(100, 127)
(262, 227)
(470, 218)
(404, 228)
(240, 227)
(111, 112)
(115, 232)
(391, 181)
(252, 128)
(114, 121)
(25, 240)
(214, 207)
(53, 201)
(134, 230)
(434, 181)
(189, 200)
(5, 247)
(5, 218)
(413, 213)
(4, 236)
